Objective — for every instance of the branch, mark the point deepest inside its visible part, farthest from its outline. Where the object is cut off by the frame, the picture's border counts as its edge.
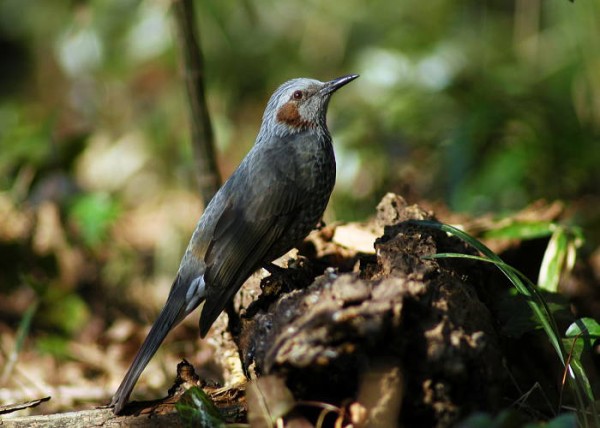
(95, 417)
(207, 172)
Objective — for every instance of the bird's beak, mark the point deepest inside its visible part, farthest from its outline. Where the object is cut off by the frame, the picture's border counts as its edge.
(335, 84)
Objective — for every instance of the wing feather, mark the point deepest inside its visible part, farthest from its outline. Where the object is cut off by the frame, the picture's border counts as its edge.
(254, 218)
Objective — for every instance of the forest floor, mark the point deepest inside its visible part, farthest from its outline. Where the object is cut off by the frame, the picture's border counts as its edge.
(362, 323)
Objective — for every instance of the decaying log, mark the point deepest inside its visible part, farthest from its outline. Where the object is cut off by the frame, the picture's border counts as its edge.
(92, 418)
(420, 317)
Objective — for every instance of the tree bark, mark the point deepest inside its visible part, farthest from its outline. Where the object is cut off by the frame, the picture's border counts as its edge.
(408, 332)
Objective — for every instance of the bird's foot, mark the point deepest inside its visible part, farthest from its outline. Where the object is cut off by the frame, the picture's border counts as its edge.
(297, 275)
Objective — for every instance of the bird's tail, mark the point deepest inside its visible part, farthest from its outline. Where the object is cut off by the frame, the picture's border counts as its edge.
(179, 304)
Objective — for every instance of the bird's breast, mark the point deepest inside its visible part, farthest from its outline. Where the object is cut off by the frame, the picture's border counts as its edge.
(314, 177)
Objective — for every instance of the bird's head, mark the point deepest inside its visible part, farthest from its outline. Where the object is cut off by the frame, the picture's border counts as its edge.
(301, 104)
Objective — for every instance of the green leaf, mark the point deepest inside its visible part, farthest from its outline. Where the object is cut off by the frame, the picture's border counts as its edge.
(559, 257)
(553, 261)
(575, 348)
(197, 409)
(582, 334)
(515, 229)
(586, 327)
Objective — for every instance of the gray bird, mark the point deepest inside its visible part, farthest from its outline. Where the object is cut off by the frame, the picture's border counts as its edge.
(275, 197)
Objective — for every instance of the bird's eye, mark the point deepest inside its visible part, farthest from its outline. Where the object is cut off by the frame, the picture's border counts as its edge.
(297, 95)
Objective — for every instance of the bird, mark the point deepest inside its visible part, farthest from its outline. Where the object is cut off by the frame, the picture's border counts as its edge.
(270, 203)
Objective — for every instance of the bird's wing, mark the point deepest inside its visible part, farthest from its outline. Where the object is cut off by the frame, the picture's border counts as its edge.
(254, 218)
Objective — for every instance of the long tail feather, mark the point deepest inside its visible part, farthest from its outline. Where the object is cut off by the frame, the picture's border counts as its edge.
(179, 304)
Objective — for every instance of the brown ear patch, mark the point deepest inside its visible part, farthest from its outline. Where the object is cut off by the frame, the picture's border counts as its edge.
(290, 115)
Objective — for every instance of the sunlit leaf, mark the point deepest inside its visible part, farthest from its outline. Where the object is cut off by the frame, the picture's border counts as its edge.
(197, 409)
(559, 257)
(587, 329)
(553, 261)
(521, 230)
(588, 326)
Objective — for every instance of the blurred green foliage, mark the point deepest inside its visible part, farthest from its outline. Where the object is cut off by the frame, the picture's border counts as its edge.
(63, 311)
(94, 213)
(55, 345)
(487, 106)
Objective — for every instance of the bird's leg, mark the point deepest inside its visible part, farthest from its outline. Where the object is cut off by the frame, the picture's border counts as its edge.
(287, 279)
(234, 323)
(279, 279)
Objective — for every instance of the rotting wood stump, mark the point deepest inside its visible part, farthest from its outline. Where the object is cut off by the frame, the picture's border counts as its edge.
(418, 321)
